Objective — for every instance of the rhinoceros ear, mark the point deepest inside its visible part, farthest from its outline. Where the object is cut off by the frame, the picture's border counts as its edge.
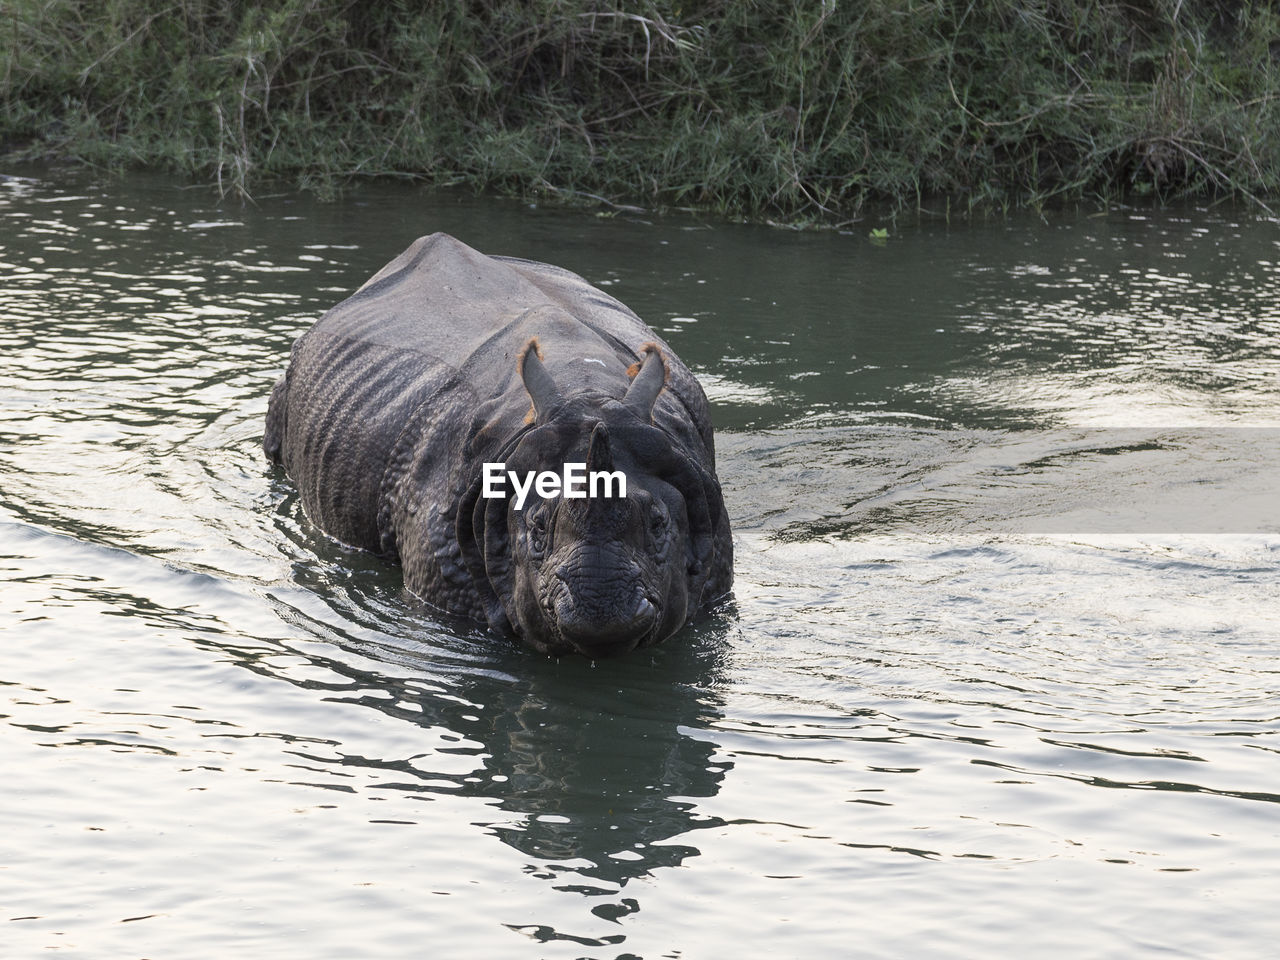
(647, 383)
(542, 389)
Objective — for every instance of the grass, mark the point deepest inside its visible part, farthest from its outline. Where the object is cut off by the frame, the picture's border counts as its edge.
(803, 110)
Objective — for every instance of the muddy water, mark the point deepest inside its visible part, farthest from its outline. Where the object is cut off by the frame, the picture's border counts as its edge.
(1000, 669)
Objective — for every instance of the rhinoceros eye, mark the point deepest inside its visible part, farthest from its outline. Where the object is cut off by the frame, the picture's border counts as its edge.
(536, 535)
(659, 534)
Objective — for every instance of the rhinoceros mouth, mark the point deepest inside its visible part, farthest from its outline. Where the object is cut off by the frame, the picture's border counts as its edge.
(575, 626)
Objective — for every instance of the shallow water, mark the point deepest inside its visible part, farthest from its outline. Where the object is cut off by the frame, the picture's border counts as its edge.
(1000, 669)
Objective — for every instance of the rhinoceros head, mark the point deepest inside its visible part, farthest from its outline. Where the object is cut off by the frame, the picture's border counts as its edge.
(598, 575)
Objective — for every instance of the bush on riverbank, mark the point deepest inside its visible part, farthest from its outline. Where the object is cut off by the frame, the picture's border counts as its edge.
(802, 109)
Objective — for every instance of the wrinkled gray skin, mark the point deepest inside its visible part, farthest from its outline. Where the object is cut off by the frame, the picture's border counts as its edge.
(447, 359)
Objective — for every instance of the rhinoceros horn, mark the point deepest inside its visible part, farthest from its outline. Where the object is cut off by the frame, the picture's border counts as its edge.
(599, 453)
(542, 389)
(648, 382)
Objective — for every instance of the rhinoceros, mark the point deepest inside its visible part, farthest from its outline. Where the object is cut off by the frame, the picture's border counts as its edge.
(416, 415)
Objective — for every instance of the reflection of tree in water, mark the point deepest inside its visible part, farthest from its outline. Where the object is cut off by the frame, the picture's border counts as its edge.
(590, 763)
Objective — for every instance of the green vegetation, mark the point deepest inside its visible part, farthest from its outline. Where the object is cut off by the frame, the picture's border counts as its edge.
(802, 110)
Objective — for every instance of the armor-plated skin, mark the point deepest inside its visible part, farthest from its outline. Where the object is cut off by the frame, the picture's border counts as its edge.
(448, 359)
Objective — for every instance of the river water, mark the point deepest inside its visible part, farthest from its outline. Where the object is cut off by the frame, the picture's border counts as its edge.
(1000, 671)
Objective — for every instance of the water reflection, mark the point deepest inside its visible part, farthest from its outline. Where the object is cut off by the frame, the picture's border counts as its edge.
(606, 779)
(1121, 320)
(1125, 320)
(594, 765)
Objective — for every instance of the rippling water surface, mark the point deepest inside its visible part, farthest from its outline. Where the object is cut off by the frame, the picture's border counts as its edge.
(1000, 672)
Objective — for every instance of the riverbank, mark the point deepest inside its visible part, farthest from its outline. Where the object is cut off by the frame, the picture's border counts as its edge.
(804, 112)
